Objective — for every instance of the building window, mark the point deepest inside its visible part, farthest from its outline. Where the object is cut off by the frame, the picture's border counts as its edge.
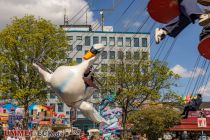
(136, 42)
(67, 112)
(112, 67)
(128, 55)
(69, 37)
(111, 54)
(79, 60)
(52, 96)
(144, 42)
(128, 42)
(104, 55)
(53, 106)
(60, 107)
(111, 41)
(104, 41)
(79, 37)
(120, 41)
(145, 55)
(70, 47)
(79, 47)
(120, 54)
(86, 51)
(104, 67)
(95, 40)
(87, 41)
(136, 55)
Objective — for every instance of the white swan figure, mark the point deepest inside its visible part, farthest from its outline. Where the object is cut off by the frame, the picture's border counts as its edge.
(69, 85)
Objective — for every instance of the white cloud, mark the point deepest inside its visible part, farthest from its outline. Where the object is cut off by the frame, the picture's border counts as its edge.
(128, 22)
(136, 24)
(205, 90)
(49, 9)
(187, 74)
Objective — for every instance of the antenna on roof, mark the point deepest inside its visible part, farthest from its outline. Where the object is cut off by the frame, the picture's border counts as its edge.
(102, 14)
(66, 20)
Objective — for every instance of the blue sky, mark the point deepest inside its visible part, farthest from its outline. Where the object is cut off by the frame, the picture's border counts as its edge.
(181, 59)
(184, 52)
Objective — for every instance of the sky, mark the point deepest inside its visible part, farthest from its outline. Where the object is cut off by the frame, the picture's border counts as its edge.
(181, 59)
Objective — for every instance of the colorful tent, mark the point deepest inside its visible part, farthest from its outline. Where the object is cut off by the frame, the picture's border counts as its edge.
(39, 108)
(9, 107)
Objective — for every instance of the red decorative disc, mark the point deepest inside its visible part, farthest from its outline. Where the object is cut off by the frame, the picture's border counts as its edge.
(204, 47)
(163, 11)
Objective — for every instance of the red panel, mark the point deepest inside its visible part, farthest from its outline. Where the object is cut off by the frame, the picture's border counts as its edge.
(191, 124)
(163, 11)
(204, 47)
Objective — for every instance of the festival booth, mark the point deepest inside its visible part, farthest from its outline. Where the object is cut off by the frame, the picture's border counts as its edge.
(4, 117)
(40, 115)
(8, 116)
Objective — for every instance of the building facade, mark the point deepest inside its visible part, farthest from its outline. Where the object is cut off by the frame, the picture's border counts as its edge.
(117, 45)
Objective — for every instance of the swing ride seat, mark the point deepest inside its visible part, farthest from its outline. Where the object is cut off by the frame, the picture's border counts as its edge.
(204, 46)
(163, 11)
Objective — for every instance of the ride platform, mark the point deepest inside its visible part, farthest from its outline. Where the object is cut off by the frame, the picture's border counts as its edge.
(191, 123)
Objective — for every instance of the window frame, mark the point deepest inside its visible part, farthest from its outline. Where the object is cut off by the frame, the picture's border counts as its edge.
(78, 59)
(134, 55)
(126, 40)
(119, 54)
(102, 55)
(94, 37)
(104, 68)
(128, 53)
(58, 107)
(89, 38)
(78, 37)
(110, 56)
(118, 40)
(70, 37)
(79, 47)
(144, 38)
(103, 37)
(110, 39)
(134, 42)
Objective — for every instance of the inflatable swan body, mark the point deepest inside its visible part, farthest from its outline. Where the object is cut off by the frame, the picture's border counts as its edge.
(69, 85)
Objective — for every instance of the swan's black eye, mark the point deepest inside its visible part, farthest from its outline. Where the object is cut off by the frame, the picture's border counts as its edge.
(94, 51)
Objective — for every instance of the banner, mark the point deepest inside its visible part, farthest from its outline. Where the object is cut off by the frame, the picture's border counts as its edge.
(202, 122)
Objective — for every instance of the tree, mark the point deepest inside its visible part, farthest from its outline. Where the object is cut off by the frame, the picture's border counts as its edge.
(138, 82)
(22, 41)
(153, 120)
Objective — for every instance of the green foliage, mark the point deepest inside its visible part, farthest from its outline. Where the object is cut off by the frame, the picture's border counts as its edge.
(21, 41)
(140, 81)
(154, 120)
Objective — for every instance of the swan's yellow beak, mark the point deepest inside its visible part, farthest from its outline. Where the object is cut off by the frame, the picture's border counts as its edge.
(88, 55)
